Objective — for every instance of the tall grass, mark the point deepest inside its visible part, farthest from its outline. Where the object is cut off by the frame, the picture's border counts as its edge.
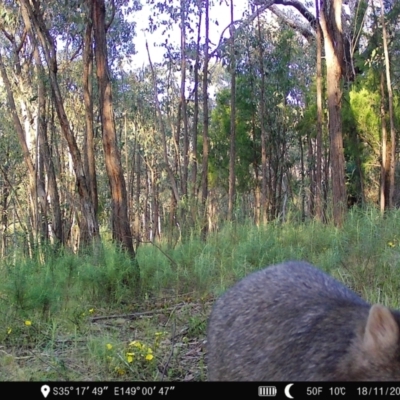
(59, 293)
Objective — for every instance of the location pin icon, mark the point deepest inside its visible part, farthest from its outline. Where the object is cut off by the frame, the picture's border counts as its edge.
(45, 390)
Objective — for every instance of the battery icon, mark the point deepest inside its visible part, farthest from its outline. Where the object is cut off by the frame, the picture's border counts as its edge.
(266, 391)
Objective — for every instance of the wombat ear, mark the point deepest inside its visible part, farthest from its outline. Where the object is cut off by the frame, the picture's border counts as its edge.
(381, 331)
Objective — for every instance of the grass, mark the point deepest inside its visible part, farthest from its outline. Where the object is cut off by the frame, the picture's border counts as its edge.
(70, 318)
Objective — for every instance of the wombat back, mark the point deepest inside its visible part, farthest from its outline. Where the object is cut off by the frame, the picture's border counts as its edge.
(292, 322)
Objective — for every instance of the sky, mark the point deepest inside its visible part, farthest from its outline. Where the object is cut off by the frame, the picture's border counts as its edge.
(219, 12)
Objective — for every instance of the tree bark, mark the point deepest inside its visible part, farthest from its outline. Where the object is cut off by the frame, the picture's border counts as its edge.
(204, 175)
(302, 175)
(311, 175)
(263, 200)
(331, 25)
(383, 198)
(196, 111)
(135, 195)
(33, 21)
(44, 148)
(119, 206)
(5, 193)
(185, 170)
(318, 173)
(392, 170)
(89, 117)
(36, 189)
(232, 151)
(174, 186)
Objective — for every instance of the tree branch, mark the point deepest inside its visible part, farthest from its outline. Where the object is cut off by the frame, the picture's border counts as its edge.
(264, 5)
(295, 4)
(248, 20)
(108, 24)
(302, 29)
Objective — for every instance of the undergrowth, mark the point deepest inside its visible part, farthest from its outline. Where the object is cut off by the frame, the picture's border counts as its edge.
(70, 317)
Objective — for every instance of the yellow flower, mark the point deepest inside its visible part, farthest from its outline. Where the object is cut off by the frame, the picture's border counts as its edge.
(9, 330)
(28, 323)
(136, 343)
(149, 350)
(149, 357)
(119, 371)
(391, 244)
(109, 346)
(129, 357)
(91, 311)
(159, 333)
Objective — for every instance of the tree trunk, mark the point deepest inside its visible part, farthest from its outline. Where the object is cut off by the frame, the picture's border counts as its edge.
(333, 39)
(34, 189)
(383, 199)
(52, 188)
(196, 111)
(232, 152)
(257, 192)
(146, 216)
(137, 192)
(5, 193)
(311, 175)
(392, 171)
(184, 184)
(263, 199)
(119, 206)
(204, 175)
(33, 21)
(88, 100)
(302, 175)
(174, 186)
(318, 173)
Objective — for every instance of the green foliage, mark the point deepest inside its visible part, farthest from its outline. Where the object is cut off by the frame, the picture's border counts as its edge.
(280, 53)
(363, 133)
(54, 306)
(246, 153)
(50, 301)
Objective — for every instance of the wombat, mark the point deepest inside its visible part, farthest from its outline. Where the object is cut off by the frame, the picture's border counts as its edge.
(292, 322)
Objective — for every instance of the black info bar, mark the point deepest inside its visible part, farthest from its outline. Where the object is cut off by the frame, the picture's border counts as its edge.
(187, 390)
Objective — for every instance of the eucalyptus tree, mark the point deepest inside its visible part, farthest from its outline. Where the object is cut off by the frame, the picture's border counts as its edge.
(36, 27)
(318, 159)
(35, 22)
(331, 26)
(21, 60)
(119, 206)
(391, 116)
(269, 83)
(380, 78)
(340, 44)
(165, 16)
(262, 112)
(187, 57)
(196, 67)
(141, 148)
(87, 86)
(204, 174)
(12, 184)
(232, 150)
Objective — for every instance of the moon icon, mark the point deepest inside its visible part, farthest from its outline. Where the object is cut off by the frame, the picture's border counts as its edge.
(287, 393)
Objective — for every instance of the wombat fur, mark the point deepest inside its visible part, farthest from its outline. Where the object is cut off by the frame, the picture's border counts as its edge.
(292, 322)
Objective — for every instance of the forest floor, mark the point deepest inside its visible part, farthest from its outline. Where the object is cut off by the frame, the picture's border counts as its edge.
(113, 345)
(72, 317)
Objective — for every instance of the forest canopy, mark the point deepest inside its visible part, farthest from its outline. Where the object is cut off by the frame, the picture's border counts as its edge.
(293, 109)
